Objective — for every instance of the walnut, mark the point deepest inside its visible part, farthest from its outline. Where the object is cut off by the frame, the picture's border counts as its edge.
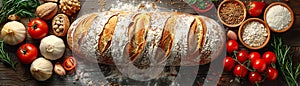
(60, 25)
(69, 7)
(47, 10)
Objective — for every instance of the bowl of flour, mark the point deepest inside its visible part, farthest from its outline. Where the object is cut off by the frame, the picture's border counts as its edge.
(279, 17)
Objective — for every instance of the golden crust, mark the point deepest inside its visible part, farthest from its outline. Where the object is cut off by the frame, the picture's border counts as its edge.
(107, 33)
(137, 32)
(80, 31)
(166, 41)
(196, 36)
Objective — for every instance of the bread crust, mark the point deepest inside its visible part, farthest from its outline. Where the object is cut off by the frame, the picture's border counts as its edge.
(146, 38)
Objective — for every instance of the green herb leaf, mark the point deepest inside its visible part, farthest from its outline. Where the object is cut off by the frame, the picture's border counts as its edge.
(287, 69)
(192, 1)
(23, 8)
(5, 58)
(201, 5)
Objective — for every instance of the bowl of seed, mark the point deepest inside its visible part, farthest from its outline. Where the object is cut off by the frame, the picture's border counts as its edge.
(232, 13)
(254, 33)
(279, 17)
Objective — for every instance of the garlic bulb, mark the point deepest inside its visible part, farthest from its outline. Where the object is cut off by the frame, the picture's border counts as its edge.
(52, 47)
(41, 69)
(13, 33)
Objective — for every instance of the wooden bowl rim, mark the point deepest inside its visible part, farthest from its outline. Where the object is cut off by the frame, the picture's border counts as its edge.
(284, 5)
(232, 25)
(241, 28)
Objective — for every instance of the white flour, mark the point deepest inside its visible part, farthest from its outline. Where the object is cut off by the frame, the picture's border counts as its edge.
(278, 17)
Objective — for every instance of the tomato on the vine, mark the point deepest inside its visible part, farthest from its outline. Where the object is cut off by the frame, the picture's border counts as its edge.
(240, 71)
(27, 53)
(228, 63)
(254, 77)
(272, 73)
(231, 46)
(242, 56)
(37, 28)
(253, 56)
(259, 65)
(269, 57)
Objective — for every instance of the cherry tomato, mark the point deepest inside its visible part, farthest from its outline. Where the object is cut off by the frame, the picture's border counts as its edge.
(272, 73)
(254, 77)
(27, 53)
(253, 56)
(256, 8)
(228, 63)
(269, 57)
(240, 71)
(231, 46)
(69, 63)
(259, 65)
(242, 56)
(37, 28)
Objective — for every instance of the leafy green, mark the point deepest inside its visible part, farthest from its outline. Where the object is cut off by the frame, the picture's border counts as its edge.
(192, 1)
(5, 57)
(201, 3)
(22, 8)
(289, 71)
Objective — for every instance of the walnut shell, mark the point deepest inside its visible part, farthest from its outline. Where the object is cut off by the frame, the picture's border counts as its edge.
(60, 25)
(47, 10)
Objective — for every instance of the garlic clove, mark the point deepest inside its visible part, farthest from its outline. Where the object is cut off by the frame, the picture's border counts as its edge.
(231, 35)
(59, 70)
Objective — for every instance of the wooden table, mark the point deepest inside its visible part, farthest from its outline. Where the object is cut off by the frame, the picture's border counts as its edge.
(22, 76)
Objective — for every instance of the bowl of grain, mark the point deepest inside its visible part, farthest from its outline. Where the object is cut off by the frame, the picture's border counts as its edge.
(254, 33)
(232, 13)
(279, 17)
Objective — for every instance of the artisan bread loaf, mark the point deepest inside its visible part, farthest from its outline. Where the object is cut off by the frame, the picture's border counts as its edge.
(145, 38)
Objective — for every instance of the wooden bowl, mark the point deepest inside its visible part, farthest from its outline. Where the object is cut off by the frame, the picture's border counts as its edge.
(241, 30)
(286, 6)
(243, 7)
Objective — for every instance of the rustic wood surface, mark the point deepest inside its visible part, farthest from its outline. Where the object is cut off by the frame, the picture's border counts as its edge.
(21, 76)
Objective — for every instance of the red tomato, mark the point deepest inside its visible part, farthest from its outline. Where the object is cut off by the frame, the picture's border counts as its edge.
(253, 56)
(272, 73)
(231, 46)
(37, 28)
(228, 63)
(27, 53)
(256, 8)
(240, 71)
(269, 57)
(254, 77)
(259, 65)
(69, 63)
(242, 56)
